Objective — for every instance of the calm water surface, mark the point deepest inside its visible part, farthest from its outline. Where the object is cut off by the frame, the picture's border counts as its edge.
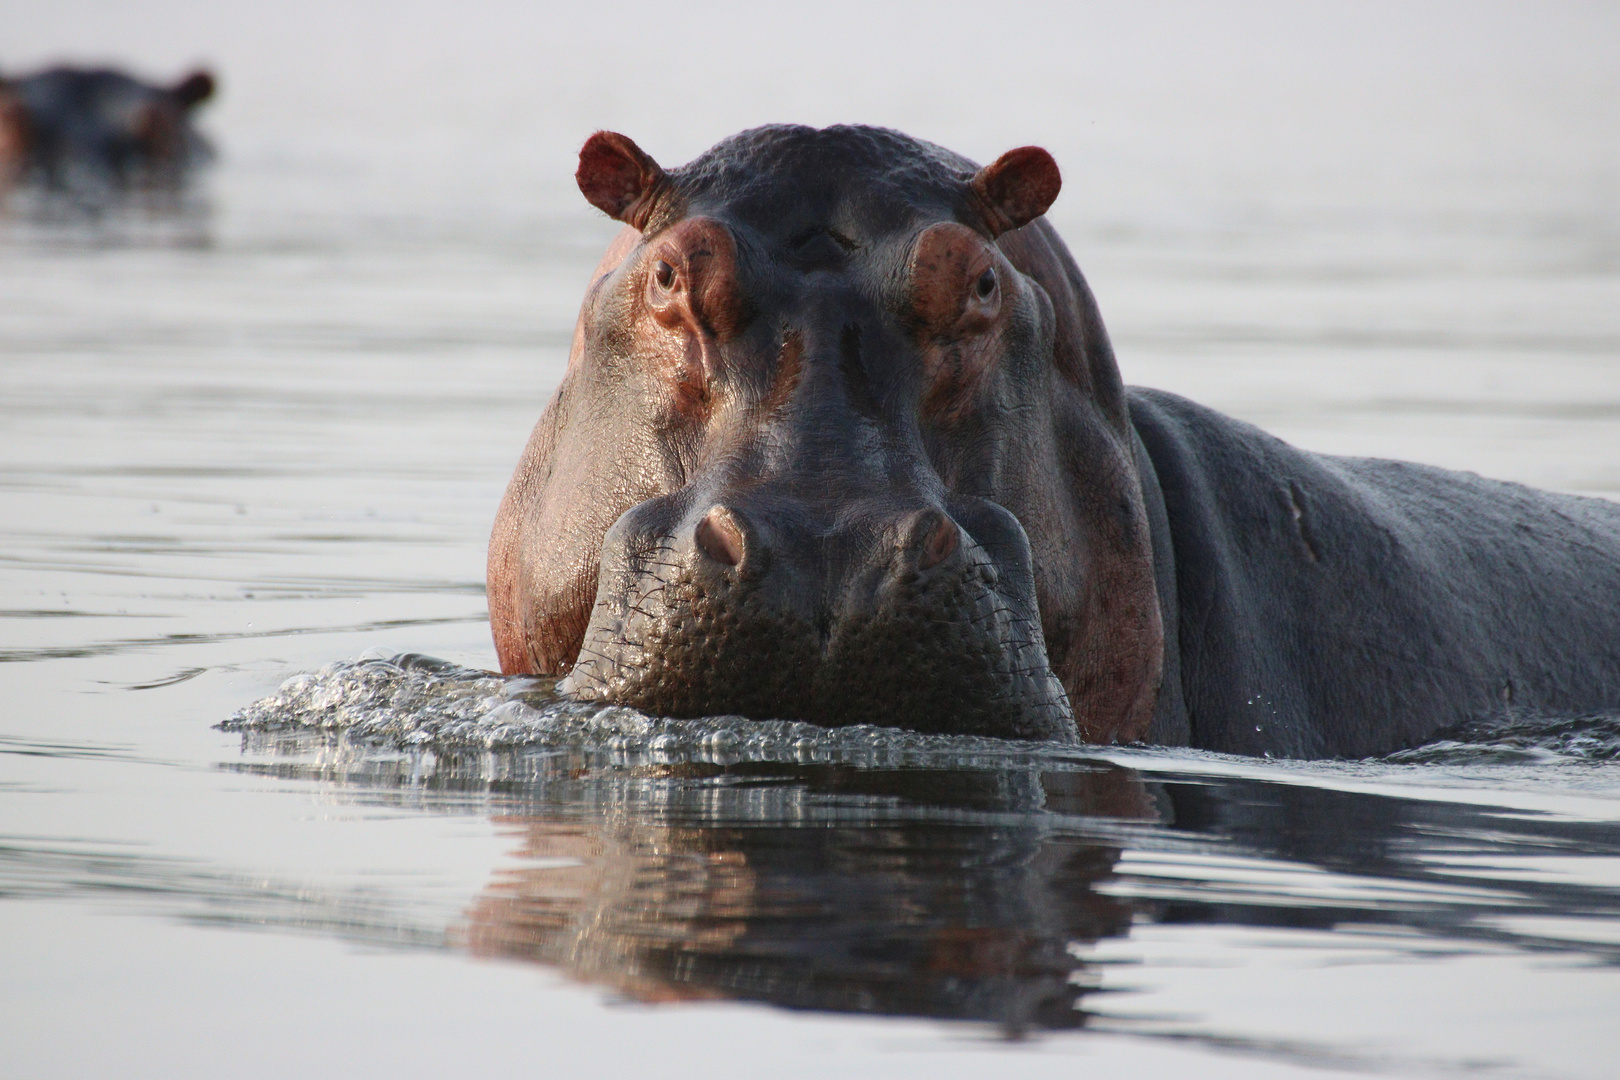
(250, 455)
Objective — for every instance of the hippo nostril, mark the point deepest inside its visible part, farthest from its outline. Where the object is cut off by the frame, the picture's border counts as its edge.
(939, 539)
(720, 537)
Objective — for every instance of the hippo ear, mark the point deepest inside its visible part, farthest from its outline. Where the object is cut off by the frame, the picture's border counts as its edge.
(194, 89)
(1016, 188)
(619, 179)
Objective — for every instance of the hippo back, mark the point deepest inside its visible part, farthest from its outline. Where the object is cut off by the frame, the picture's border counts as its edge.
(1342, 607)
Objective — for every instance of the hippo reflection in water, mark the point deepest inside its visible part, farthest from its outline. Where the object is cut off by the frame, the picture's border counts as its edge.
(98, 133)
(977, 892)
(842, 438)
(880, 910)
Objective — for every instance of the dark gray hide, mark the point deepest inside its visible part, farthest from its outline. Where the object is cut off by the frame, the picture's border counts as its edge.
(1343, 607)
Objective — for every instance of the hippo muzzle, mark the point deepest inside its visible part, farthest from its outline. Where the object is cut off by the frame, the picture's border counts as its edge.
(838, 442)
(918, 617)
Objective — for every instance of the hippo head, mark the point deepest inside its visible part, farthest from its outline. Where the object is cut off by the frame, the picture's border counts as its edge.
(841, 439)
(94, 131)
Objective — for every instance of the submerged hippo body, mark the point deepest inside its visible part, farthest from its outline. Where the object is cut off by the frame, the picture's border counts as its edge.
(99, 132)
(1344, 607)
(842, 438)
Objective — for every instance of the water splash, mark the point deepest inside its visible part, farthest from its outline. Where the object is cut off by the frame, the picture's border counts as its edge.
(415, 702)
(1525, 740)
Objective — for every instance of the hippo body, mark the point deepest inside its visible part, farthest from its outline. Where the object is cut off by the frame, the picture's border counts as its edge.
(1345, 607)
(842, 438)
(98, 132)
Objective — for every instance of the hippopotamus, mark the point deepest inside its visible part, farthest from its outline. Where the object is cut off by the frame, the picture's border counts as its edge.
(842, 438)
(99, 131)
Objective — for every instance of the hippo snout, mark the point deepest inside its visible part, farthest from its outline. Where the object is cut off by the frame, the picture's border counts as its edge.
(918, 617)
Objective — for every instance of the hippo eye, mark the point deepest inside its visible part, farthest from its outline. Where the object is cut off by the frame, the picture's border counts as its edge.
(664, 274)
(986, 284)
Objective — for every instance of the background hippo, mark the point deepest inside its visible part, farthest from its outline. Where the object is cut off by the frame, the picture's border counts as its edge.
(842, 438)
(96, 131)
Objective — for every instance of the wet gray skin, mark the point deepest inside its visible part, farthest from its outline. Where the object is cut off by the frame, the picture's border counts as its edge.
(817, 566)
(841, 440)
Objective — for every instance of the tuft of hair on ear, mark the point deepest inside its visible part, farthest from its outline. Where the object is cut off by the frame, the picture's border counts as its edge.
(1016, 188)
(194, 89)
(618, 178)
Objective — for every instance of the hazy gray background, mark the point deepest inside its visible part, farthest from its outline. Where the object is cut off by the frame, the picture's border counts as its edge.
(1288, 210)
(247, 445)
